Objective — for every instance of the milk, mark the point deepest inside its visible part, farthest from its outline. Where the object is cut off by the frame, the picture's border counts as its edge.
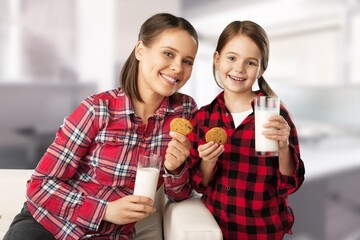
(146, 182)
(265, 107)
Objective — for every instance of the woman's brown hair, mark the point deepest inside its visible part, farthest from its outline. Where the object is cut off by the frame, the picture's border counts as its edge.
(149, 31)
(260, 38)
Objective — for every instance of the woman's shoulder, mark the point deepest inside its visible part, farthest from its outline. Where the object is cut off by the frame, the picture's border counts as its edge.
(110, 98)
(108, 95)
(183, 100)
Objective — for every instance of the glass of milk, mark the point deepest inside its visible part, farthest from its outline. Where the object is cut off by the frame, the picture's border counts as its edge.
(265, 107)
(147, 175)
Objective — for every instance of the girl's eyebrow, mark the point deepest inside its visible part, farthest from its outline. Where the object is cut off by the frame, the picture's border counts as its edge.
(234, 53)
(175, 50)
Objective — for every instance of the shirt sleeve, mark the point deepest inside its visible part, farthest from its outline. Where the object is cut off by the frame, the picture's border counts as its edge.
(177, 187)
(48, 188)
(290, 184)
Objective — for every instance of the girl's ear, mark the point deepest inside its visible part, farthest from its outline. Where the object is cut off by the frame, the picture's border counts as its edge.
(261, 72)
(216, 59)
(139, 47)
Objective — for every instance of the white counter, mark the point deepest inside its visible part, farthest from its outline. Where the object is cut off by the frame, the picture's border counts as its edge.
(329, 157)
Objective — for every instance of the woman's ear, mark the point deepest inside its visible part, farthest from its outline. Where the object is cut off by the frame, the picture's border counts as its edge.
(139, 47)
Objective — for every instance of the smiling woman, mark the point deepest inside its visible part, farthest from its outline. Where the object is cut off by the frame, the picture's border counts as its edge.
(93, 158)
(166, 64)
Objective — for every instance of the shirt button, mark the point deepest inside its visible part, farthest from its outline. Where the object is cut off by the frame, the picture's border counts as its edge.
(228, 188)
(231, 162)
(226, 114)
(114, 140)
(133, 179)
(228, 215)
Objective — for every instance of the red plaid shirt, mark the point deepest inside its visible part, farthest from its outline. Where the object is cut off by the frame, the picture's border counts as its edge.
(247, 194)
(93, 160)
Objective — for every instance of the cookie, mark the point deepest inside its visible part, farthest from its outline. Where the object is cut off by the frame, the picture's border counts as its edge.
(217, 135)
(181, 125)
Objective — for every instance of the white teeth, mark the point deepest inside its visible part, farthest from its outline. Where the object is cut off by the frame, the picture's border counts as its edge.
(237, 78)
(169, 78)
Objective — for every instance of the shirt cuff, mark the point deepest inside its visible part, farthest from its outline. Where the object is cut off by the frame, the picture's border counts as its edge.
(289, 184)
(91, 213)
(179, 179)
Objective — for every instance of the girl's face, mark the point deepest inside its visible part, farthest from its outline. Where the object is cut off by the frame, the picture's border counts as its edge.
(238, 64)
(166, 65)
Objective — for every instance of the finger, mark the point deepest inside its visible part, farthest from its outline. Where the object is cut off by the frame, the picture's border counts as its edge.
(178, 150)
(144, 208)
(212, 153)
(206, 149)
(202, 147)
(137, 199)
(216, 153)
(179, 137)
(171, 162)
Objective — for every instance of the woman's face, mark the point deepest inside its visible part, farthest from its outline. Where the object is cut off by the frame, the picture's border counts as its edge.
(238, 64)
(166, 65)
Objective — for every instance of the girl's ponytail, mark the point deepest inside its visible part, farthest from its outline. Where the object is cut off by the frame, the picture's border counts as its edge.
(265, 87)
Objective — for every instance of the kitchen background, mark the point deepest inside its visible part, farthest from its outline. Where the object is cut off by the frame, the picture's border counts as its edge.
(55, 53)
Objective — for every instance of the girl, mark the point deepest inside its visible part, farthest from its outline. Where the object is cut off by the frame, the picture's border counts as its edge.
(246, 194)
(83, 185)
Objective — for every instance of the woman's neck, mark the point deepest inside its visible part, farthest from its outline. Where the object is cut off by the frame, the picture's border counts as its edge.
(148, 107)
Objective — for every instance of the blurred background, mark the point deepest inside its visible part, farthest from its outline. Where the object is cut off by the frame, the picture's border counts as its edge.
(55, 53)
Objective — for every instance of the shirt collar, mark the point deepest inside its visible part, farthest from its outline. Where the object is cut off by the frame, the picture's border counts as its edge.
(165, 107)
(221, 101)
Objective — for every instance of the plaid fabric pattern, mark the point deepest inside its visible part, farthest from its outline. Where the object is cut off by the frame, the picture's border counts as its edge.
(93, 160)
(247, 194)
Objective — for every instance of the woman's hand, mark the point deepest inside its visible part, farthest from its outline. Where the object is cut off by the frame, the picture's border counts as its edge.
(177, 152)
(128, 209)
(280, 131)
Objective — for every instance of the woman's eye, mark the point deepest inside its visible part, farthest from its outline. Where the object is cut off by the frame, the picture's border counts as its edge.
(232, 58)
(251, 63)
(188, 62)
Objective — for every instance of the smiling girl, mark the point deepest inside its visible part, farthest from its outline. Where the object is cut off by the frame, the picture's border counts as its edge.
(247, 194)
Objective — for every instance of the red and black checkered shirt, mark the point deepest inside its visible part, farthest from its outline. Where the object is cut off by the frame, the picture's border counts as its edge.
(247, 194)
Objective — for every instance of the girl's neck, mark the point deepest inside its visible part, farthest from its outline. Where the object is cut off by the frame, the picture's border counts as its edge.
(238, 102)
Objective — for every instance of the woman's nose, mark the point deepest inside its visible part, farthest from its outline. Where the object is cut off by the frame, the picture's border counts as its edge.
(176, 66)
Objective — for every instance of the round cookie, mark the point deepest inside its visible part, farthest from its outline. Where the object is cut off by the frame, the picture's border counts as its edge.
(217, 135)
(181, 125)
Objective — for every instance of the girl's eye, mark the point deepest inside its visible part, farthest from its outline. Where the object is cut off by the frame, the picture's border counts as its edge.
(252, 63)
(232, 58)
(168, 54)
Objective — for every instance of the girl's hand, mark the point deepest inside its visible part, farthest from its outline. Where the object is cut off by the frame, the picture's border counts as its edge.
(128, 209)
(281, 131)
(209, 152)
(177, 152)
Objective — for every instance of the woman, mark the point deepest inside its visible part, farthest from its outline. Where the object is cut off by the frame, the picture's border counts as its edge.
(83, 185)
